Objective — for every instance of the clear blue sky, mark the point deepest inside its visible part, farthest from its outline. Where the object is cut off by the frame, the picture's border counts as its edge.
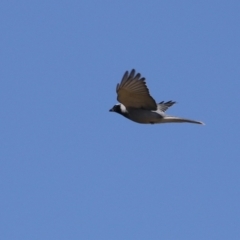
(70, 169)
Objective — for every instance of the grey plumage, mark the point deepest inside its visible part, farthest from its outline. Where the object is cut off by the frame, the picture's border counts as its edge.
(137, 104)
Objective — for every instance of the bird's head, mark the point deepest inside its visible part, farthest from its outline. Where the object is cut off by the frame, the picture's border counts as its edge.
(116, 108)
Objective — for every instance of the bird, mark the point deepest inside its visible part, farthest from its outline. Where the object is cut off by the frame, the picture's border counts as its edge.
(136, 103)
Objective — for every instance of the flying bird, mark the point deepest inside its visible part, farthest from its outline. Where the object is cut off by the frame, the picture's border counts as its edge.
(137, 104)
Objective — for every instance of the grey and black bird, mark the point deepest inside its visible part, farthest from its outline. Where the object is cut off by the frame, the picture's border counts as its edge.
(137, 104)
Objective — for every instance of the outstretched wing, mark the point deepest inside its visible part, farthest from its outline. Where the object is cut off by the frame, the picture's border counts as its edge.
(133, 92)
(163, 106)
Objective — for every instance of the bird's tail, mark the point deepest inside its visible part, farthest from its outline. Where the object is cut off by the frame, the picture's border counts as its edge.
(171, 119)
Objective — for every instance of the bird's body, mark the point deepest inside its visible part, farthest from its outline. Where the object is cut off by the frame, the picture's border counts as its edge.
(138, 115)
(137, 105)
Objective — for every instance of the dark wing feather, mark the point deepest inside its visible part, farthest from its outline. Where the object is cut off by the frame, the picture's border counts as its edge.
(133, 92)
(163, 106)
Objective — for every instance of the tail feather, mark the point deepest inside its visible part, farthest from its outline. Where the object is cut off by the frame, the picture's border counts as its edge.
(171, 119)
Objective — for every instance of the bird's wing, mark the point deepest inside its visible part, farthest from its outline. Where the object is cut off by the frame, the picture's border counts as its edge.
(163, 106)
(133, 92)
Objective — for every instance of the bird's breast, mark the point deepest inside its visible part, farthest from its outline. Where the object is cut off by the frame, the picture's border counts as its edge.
(143, 116)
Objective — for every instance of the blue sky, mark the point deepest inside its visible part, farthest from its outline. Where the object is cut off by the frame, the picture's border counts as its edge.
(69, 169)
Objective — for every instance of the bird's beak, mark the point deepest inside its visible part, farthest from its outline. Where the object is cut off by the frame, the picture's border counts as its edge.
(111, 110)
